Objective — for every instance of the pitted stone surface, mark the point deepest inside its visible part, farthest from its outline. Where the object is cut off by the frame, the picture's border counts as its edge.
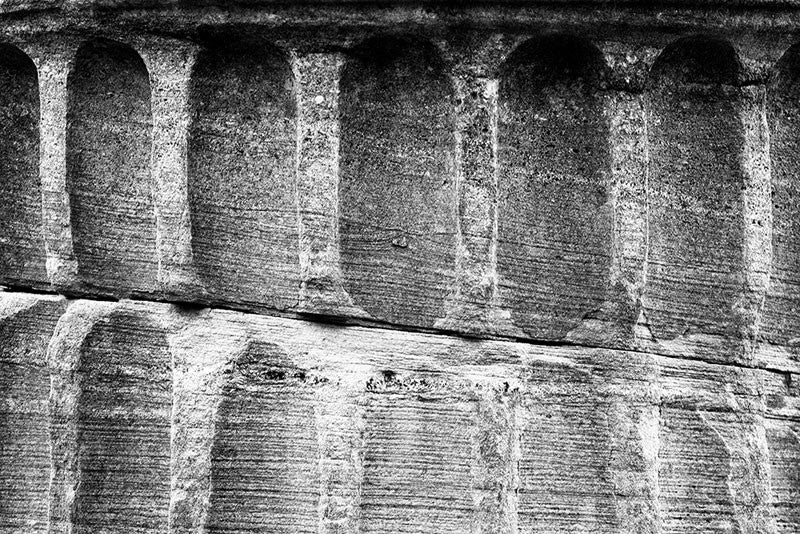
(26, 325)
(695, 270)
(264, 459)
(124, 377)
(519, 267)
(554, 214)
(296, 426)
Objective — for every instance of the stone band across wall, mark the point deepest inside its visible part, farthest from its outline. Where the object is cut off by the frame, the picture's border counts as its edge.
(144, 417)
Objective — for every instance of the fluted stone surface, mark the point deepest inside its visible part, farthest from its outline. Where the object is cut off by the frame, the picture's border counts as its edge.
(441, 267)
(423, 433)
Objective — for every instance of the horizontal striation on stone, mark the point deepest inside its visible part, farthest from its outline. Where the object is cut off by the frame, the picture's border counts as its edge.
(264, 457)
(397, 188)
(418, 455)
(554, 214)
(781, 320)
(335, 175)
(26, 324)
(241, 176)
(313, 425)
(22, 254)
(695, 267)
(123, 427)
(109, 182)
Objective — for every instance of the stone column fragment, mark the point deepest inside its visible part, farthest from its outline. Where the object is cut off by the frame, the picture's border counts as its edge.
(317, 76)
(63, 355)
(170, 64)
(53, 61)
(476, 154)
(26, 326)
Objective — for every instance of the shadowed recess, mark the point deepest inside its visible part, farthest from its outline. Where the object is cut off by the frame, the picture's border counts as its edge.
(555, 217)
(108, 167)
(565, 483)
(264, 459)
(124, 413)
(242, 177)
(694, 473)
(22, 254)
(695, 268)
(24, 418)
(418, 456)
(397, 195)
(780, 322)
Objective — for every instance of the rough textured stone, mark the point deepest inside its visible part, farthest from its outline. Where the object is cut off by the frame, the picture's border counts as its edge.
(498, 267)
(695, 270)
(123, 426)
(417, 455)
(22, 257)
(242, 182)
(264, 458)
(587, 452)
(282, 425)
(781, 322)
(108, 168)
(397, 183)
(554, 214)
(26, 324)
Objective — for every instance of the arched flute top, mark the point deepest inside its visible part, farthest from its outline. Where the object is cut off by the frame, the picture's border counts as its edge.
(397, 222)
(250, 46)
(697, 59)
(22, 258)
(555, 59)
(106, 47)
(108, 151)
(383, 52)
(15, 59)
(786, 72)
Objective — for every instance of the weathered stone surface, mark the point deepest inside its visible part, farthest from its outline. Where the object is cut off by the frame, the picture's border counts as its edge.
(418, 454)
(242, 177)
(588, 445)
(227, 422)
(784, 448)
(26, 325)
(600, 197)
(205, 229)
(108, 168)
(781, 320)
(264, 458)
(124, 377)
(554, 215)
(22, 256)
(397, 185)
(713, 460)
(695, 268)
(783, 443)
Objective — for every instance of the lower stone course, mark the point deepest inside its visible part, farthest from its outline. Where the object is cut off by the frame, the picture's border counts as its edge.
(195, 420)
